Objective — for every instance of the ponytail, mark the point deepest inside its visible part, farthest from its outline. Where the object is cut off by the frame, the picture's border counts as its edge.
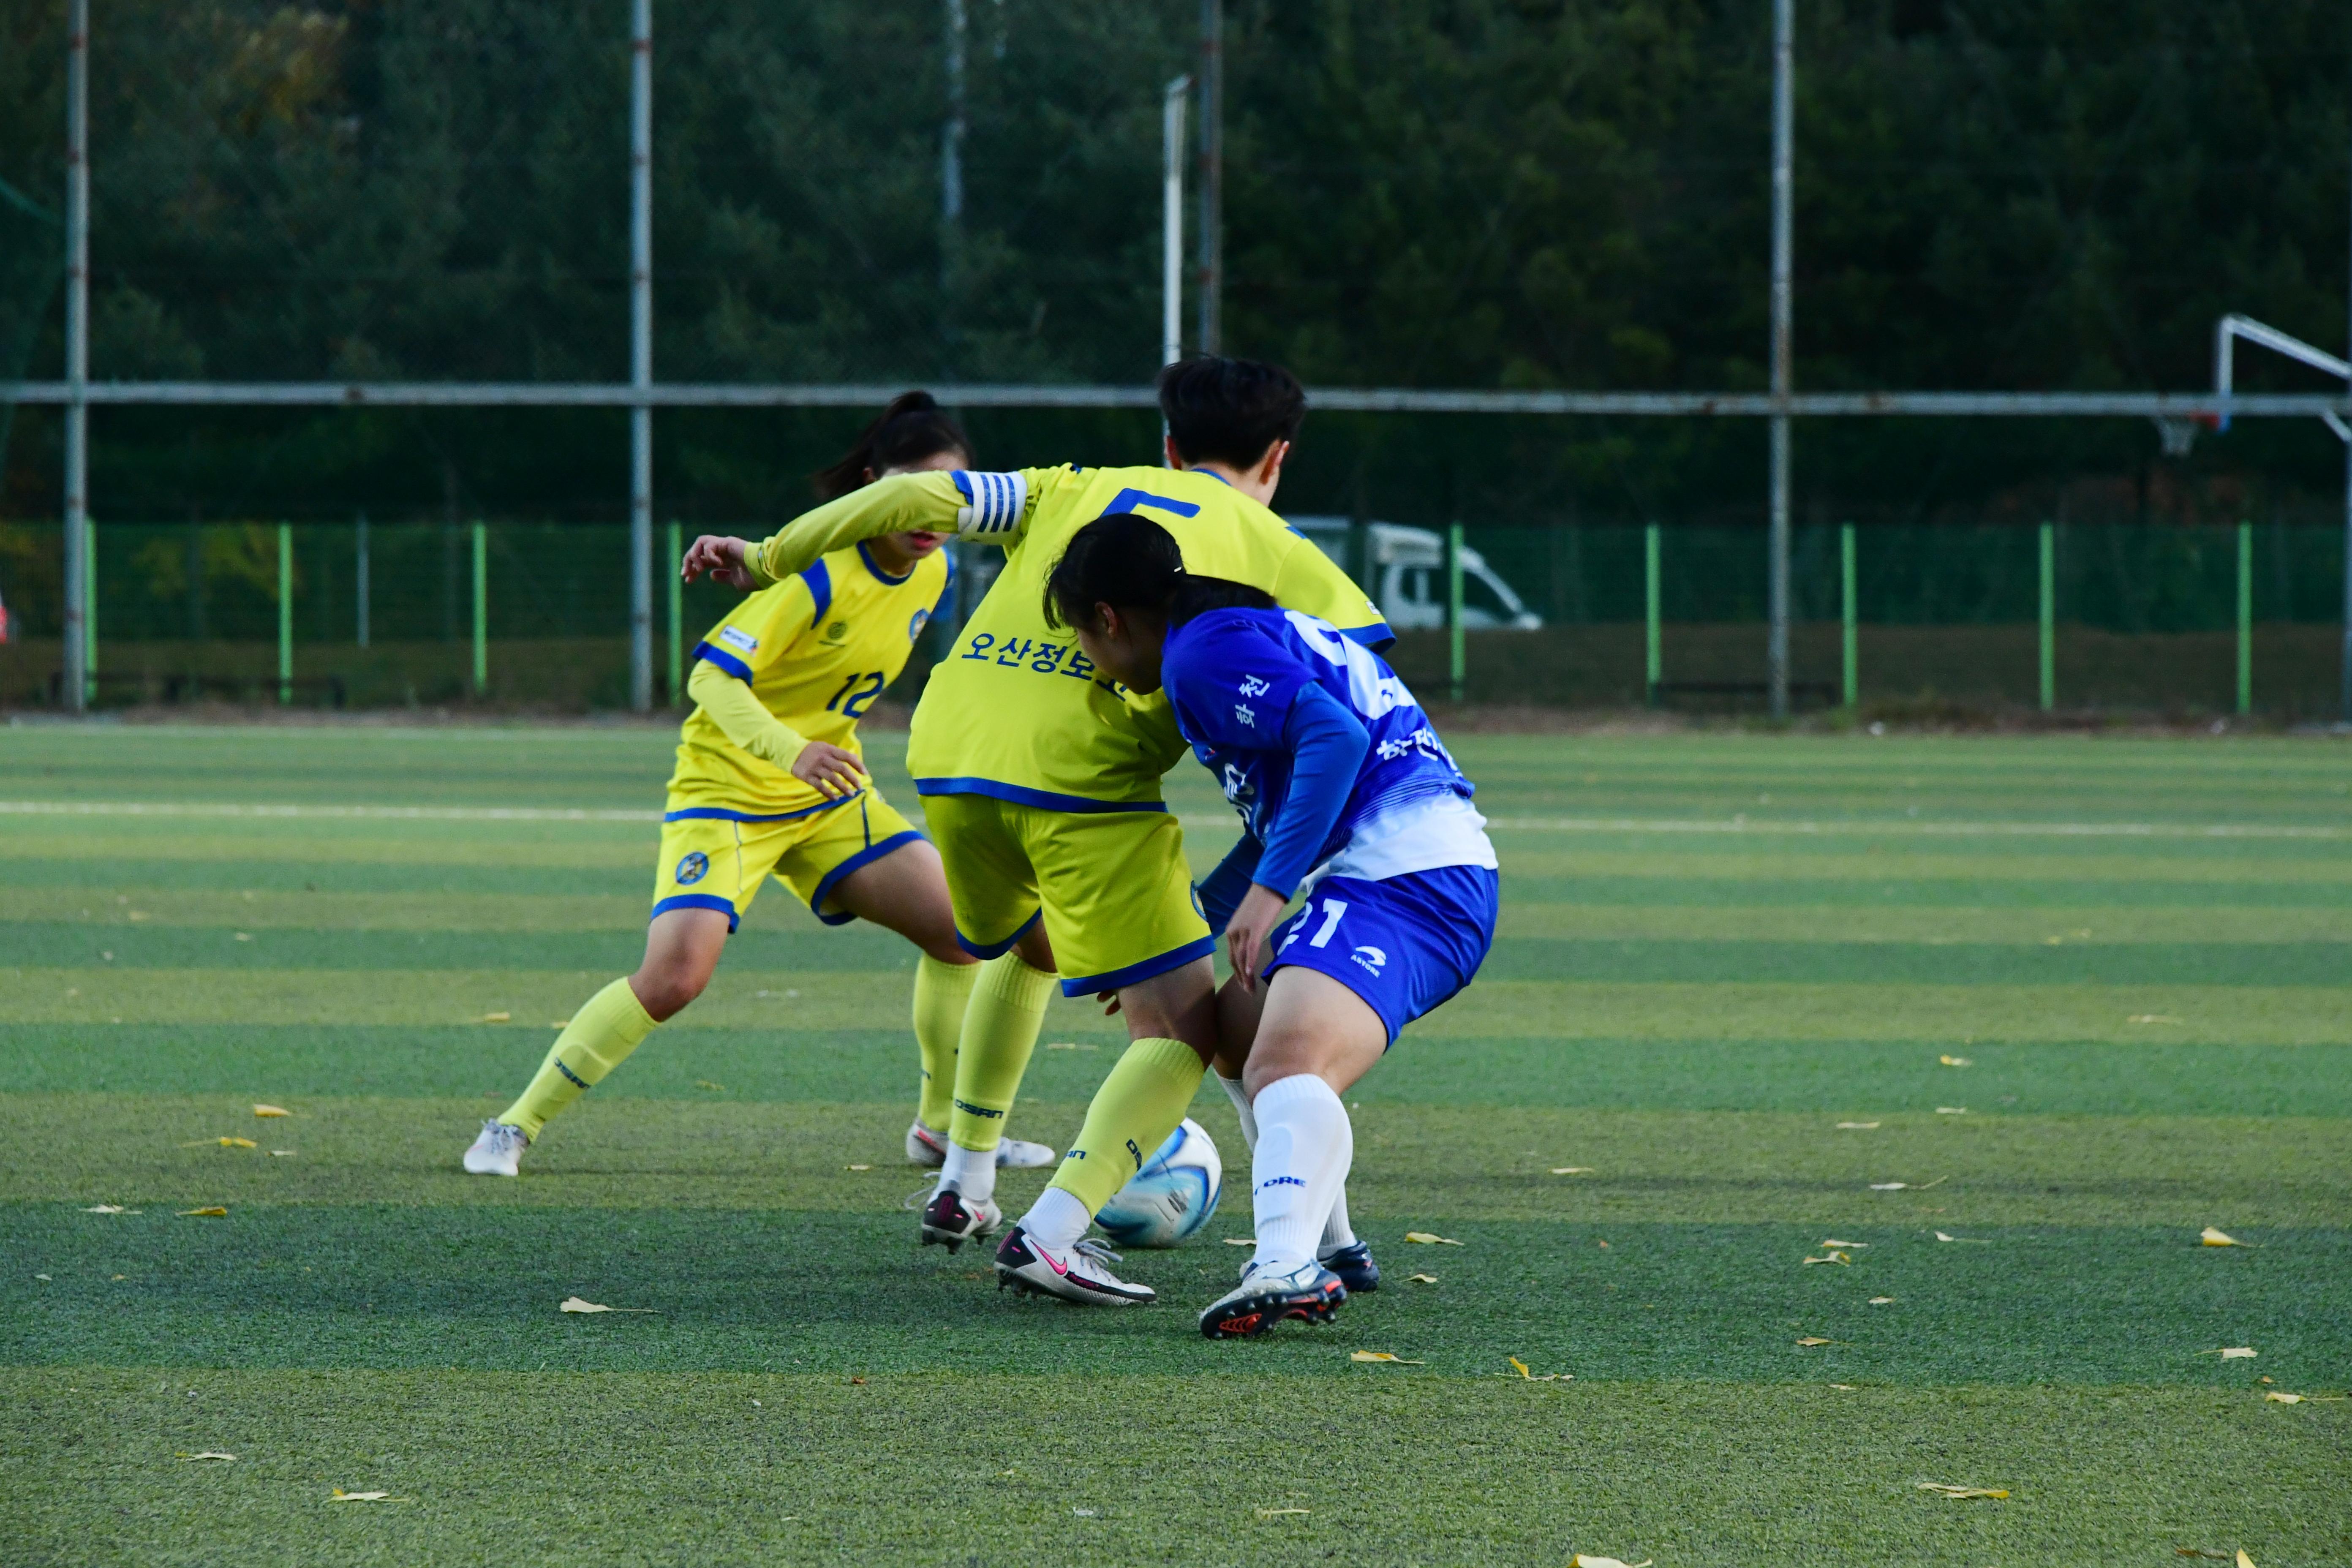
(1130, 562)
(912, 428)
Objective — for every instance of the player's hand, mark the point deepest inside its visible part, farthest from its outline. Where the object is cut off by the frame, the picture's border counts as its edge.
(1253, 919)
(832, 772)
(1109, 999)
(721, 556)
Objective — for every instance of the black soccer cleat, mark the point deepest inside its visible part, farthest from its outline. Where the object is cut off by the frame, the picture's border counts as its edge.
(1354, 1265)
(1309, 1292)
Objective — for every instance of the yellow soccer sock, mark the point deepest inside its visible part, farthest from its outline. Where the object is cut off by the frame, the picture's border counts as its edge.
(598, 1038)
(999, 1030)
(942, 991)
(1134, 1110)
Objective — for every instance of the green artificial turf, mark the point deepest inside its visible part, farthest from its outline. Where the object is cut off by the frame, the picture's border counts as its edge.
(1713, 951)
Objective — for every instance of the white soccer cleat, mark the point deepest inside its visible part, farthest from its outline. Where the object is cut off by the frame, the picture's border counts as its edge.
(498, 1151)
(1074, 1273)
(926, 1148)
(950, 1219)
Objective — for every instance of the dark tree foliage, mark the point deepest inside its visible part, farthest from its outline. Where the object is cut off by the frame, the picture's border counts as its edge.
(2036, 194)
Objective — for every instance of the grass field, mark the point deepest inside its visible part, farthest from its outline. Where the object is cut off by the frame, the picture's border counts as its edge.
(1715, 950)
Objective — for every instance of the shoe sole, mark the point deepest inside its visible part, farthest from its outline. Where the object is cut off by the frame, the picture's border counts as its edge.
(1254, 1315)
(953, 1240)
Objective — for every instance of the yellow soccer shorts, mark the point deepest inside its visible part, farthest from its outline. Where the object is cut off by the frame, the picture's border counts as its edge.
(716, 858)
(1112, 887)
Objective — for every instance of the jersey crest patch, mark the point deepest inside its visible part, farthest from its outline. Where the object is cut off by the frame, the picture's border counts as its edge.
(836, 632)
(738, 639)
(915, 627)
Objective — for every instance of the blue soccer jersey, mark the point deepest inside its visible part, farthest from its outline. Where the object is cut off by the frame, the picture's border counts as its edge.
(1344, 787)
(1248, 686)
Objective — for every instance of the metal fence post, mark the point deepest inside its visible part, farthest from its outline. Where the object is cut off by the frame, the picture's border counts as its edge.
(88, 684)
(360, 586)
(1846, 597)
(1784, 97)
(80, 644)
(481, 608)
(2245, 617)
(676, 616)
(641, 355)
(284, 613)
(1654, 660)
(2049, 617)
(1456, 652)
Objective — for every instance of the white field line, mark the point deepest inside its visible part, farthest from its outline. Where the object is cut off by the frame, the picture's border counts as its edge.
(1563, 825)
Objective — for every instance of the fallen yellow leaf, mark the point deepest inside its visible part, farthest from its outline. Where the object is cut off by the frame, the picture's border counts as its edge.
(2275, 1397)
(1849, 1387)
(857, 1167)
(1571, 1170)
(497, 1017)
(2244, 1560)
(1957, 1061)
(1522, 1367)
(1833, 1241)
(558, 1023)
(2234, 1353)
(1815, 1340)
(271, 1111)
(343, 1496)
(575, 1304)
(2212, 1237)
(1856, 1126)
(1279, 1512)
(1422, 1278)
(1061, 1045)
(1940, 1490)
(1580, 1560)
(204, 1214)
(1382, 1355)
(108, 1208)
(223, 1142)
(1882, 1301)
(1431, 1239)
(207, 1454)
(1830, 1258)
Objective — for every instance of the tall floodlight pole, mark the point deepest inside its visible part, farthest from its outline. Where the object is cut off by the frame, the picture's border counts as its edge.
(77, 649)
(640, 355)
(1212, 175)
(1171, 220)
(951, 135)
(1784, 30)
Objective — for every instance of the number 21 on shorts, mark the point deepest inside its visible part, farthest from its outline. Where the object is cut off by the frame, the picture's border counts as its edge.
(1332, 909)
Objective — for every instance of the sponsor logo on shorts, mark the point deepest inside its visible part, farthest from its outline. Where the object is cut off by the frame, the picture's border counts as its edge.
(738, 639)
(1371, 958)
(691, 869)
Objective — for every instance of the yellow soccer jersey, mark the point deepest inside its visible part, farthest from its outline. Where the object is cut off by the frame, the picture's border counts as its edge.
(817, 650)
(1015, 710)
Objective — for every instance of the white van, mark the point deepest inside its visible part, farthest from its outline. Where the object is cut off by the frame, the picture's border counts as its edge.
(1407, 573)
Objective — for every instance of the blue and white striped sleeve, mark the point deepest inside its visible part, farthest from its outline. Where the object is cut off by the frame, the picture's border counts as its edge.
(996, 506)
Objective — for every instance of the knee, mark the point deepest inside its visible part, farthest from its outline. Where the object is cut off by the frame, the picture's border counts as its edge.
(663, 992)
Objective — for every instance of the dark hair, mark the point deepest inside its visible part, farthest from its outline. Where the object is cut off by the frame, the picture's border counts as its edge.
(1229, 410)
(912, 428)
(1130, 562)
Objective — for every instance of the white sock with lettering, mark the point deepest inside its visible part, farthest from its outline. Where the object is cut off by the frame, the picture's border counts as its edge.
(1305, 1145)
(971, 1171)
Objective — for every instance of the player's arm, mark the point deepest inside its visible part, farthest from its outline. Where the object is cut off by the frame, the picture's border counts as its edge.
(1311, 582)
(991, 507)
(1236, 689)
(1221, 891)
(720, 685)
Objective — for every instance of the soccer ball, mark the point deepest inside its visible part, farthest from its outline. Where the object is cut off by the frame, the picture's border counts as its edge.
(1172, 1196)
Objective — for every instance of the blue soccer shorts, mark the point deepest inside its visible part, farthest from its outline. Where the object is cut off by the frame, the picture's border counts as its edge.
(1405, 944)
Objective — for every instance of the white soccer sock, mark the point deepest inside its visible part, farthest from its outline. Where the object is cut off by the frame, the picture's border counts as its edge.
(1335, 1234)
(1056, 1220)
(1304, 1145)
(971, 1171)
(1240, 1097)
